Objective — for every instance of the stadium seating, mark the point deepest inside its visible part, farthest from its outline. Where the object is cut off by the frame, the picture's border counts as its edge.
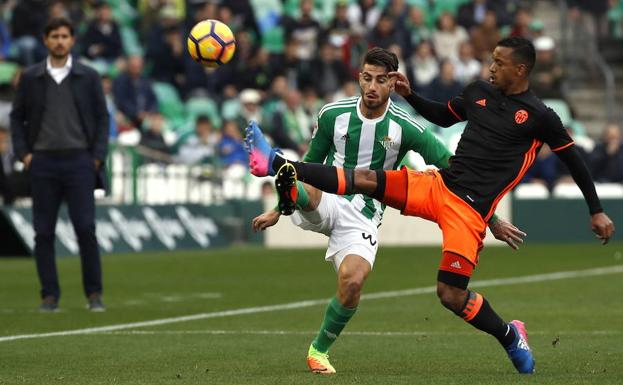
(170, 104)
(196, 107)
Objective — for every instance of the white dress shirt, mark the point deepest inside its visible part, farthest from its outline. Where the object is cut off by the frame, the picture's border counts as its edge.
(59, 73)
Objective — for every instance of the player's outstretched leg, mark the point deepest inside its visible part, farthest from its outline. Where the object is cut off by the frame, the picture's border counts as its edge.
(264, 160)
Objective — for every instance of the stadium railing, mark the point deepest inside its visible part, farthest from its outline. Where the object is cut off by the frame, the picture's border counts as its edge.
(139, 176)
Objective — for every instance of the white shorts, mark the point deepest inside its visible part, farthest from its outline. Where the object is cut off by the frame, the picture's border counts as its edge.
(349, 231)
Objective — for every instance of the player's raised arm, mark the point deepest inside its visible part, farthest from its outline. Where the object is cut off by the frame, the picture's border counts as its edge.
(554, 134)
(443, 115)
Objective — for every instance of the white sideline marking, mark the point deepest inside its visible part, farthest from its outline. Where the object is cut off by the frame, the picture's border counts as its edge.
(352, 333)
(303, 304)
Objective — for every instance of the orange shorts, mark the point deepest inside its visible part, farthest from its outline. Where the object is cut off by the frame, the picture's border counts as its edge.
(424, 195)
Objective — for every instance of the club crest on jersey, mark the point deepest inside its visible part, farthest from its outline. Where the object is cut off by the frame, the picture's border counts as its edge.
(521, 116)
(387, 143)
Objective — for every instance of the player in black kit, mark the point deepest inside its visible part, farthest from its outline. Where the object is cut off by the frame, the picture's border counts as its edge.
(507, 125)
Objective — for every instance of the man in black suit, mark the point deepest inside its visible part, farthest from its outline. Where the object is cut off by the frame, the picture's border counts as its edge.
(59, 125)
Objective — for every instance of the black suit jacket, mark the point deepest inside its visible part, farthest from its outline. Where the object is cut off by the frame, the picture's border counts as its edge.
(29, 105)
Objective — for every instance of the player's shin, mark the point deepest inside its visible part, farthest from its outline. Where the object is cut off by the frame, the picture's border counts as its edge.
(479, 313)
(334, 180)
(335, 319)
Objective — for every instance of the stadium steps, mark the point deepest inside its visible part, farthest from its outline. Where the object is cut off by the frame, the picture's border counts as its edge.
(585, 89)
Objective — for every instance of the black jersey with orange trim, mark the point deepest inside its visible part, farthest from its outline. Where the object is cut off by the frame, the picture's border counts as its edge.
(500, 142)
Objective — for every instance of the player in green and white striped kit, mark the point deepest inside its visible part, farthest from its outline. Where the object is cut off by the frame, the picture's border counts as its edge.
(369, 132)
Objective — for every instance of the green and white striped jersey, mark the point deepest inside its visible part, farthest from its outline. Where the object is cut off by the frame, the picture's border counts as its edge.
(344, 138)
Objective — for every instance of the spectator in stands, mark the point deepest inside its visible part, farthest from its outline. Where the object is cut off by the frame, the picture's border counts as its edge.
(547, 74)
(291, 126)
(102, 39)
(312, 104)
(296, 71)
(485, 36)
(328, 71)
(607, 157)
(473, 12)
(244, 15)
(537, 29)
(273, 99)
(384, 33)
(466, 67)
(200, 146)
(305, 30)
(250, 108)
(27, 22)
(445, 86)
(448, 36)
(168, 56)
(339, 27)
(592, 15)
(348, 90)
(417, 30)
(154, 147)
(231, 147)
(133, 93)
(356, 46)
(154, 11)
(399, 11)
(258, 73)
(396, 49)
(423, 66)
(58, 9)
(544, 169)
(364, 13)
(521, 24)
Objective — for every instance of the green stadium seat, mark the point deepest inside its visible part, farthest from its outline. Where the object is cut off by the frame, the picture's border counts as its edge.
(129, 39)
(561, 108)
(615, 15)
(171, 106)
(230, 109)
(273, 40)
(441, 6)
(203, 106)
(7, 71)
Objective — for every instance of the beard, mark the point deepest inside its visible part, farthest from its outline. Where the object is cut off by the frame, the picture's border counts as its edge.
(372, 105)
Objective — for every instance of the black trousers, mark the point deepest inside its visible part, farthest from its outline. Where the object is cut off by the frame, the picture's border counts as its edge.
(71, 178)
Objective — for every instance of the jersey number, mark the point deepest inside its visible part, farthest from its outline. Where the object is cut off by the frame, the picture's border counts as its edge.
(369, 238)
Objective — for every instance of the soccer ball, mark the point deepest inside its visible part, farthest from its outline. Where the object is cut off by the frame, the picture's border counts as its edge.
(211, 43)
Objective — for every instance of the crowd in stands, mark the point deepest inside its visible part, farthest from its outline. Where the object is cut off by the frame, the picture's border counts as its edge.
(292, 57)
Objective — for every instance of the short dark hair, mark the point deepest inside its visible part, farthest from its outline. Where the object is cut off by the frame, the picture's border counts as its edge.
(382, 58)
(203, 119)
(523, 51)
(56, 23)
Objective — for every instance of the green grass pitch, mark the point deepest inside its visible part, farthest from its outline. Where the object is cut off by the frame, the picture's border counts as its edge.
(575, 324)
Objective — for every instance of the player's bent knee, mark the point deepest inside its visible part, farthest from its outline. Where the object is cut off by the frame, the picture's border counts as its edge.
(452, 298)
